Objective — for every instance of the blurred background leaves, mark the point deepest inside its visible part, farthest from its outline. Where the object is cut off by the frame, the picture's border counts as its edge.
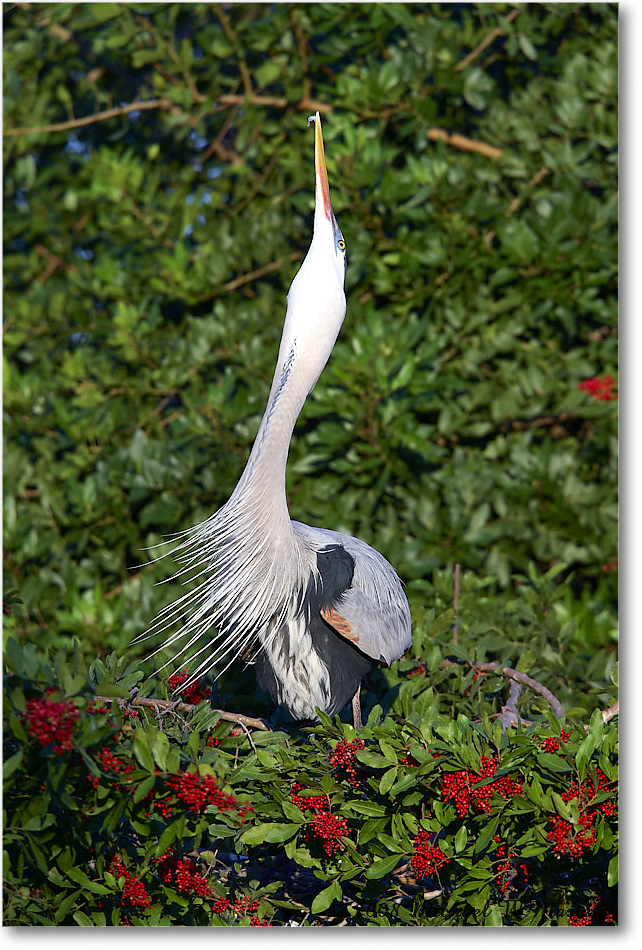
(472, 153)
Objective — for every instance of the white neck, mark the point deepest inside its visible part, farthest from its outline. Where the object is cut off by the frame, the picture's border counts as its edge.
(316, 308)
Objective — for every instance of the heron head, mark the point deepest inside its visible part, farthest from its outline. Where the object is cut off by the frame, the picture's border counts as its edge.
(325, 224)
(316, 299)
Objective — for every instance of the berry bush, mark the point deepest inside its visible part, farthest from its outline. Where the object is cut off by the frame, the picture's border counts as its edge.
(158, 200)
(124, 809)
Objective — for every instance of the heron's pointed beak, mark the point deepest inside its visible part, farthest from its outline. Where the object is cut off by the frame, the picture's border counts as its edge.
(322, 190)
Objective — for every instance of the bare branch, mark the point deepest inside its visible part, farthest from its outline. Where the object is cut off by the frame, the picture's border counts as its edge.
(456, 603)
(90, 119)
(172, 706)
(485, 43)
(512, 674)
(463, 143)
(556, 705)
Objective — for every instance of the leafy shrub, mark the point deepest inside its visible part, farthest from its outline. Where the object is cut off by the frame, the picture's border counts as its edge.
(468, 416)
(433, 814)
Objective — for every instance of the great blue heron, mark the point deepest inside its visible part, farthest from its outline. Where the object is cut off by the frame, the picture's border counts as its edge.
(312, 609)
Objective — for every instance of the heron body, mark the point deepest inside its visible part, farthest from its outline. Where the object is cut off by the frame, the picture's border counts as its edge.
(314, 610)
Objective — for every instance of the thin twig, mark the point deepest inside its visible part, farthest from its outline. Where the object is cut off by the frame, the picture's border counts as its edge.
(170, 705)
(231, 36)
(255, 274)
(519, 199)
(463, 143)
(485, 43)
(216, 144)
(222, 102)
(611, 712)
(456, 603)
(90, 119)
(512, 674)
(556, 705)
(535, 180)
(509, 715)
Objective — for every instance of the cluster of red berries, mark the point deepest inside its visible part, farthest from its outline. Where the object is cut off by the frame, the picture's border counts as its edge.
(199, 791)
(182, 874)
(409, 759)
(313, 802)
(571, 840)
(507, 871)
(195, 693)
(465, 790)
(162, 805)
(51, 722)
(240, 907)
(330, 830)
(599, 388)
(427, 857)
(552, 743)
(343, 758)
(588, 918)
(134, 891)
(325, 826)
(476, 675)
(112, 763)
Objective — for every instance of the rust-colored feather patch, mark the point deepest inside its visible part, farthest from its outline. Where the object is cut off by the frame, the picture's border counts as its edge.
(339, 623)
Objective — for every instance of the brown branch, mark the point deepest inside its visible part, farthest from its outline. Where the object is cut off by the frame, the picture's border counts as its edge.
(509, 715)
(217, 143)
(556, 705)
(485, 43)
(463, 143)
(90, 119)
(255, 274)
(518, 200)
(278, 102)
(535, 180)
(456, 602)
(222, 102)
(170, 49)
(512, 674)
(611, 712)
(232, 39)
(169, 705)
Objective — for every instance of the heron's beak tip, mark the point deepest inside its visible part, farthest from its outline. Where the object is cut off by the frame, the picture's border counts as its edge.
(322, 190)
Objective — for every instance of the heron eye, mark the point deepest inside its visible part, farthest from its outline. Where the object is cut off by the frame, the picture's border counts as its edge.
(342, 244)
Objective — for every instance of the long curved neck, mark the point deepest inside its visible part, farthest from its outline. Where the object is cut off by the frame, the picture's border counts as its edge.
(264, 473)
(315, 312)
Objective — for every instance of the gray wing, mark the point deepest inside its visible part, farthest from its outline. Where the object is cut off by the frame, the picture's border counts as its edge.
(373, 612)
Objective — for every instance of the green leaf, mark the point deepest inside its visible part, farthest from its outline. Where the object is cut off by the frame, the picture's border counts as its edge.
(389, 753)
(280, 832)
(326, 897)
(461, 839)
(381, 867)
(372, 809)
(612, 877)
(142, 750)
(387, 780)
(372, 759)
(291, 811)
(144, 787)
(12, 764)
(79, 877)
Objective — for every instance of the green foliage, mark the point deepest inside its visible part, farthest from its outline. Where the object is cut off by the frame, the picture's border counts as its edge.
(147, 258)
(420, 819)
